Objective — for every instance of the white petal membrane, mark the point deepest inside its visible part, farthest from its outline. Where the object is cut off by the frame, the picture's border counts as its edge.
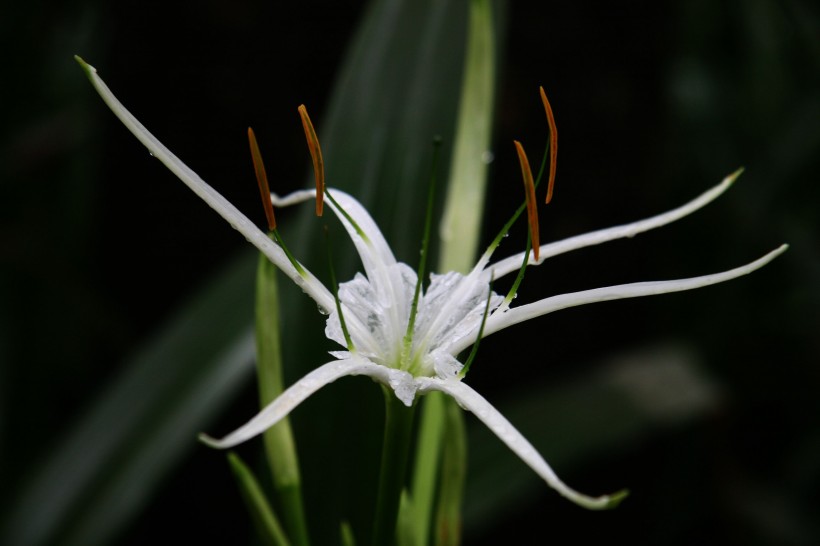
(471, 401)
(374, 336)
(513, 263)
(312, 286)
(451, 310)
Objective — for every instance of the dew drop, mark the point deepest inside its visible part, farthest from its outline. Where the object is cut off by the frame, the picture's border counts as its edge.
(322, 310)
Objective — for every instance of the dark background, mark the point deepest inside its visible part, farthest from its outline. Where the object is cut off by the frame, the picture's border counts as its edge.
(655, 102)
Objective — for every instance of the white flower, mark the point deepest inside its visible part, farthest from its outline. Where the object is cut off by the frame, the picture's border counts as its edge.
(377, 305)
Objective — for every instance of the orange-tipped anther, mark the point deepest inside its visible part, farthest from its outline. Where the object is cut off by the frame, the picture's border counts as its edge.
(262, 180)
(316, 156)
(553, 143)
(529, 189)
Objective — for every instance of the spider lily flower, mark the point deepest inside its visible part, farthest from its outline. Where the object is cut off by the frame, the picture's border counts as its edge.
(452, 313)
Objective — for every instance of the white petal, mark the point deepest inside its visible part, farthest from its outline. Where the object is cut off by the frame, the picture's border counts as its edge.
(372, 249)
(500, 321)
(239, 221)
(445, 365)
(377, 258)
(471, 401)
(513, 263)
(302, 389)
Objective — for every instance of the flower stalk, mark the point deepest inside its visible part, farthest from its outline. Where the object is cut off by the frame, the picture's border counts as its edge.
(459, 233)
(398, 435)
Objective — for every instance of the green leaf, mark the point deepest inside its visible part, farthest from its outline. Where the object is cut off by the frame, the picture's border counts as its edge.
(280, 447)
(264, 519)
(106, 465)
(348, 539)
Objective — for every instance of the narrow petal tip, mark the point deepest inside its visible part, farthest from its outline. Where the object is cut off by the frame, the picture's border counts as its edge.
(209, 441)
(734, 176)
(760, 262)
(89, 70)
(616, 498)
(604, 502)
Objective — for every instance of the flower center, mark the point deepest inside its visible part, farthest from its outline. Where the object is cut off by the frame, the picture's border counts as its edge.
(449, 310)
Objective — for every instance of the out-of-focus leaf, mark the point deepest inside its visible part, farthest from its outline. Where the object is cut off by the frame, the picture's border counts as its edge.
(397, 90)
(106, 466)
(265, 520)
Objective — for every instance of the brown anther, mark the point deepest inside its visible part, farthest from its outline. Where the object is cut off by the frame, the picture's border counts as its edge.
(553, 143)
(316, 156)
(529, 190)
(262, 180)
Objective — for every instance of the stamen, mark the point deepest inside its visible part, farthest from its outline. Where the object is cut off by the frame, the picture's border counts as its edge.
(264, 189)
(529, 188)
(553, 143)
(504, 230)
(316, 156)
(262, 180)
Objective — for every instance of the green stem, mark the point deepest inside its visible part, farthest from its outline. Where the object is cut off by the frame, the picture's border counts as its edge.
(453, 475)
(460, 231)
(398, 428)
(428, 456)
(280, 446)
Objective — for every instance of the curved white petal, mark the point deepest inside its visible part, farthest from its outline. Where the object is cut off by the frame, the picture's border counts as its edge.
(378, 250)
(471, 401)
(499, 321)
(513, 263)
(312, 286)
(376, 256)
(309, 384)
